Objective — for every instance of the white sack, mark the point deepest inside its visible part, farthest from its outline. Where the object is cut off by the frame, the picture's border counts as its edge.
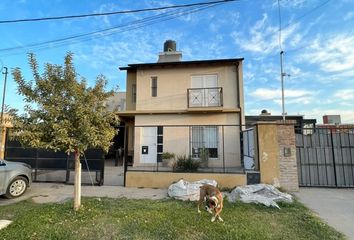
(184, 190)
(259, 193)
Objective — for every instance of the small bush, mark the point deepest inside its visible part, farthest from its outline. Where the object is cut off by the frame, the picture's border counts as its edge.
(168, 155)
(187, 164)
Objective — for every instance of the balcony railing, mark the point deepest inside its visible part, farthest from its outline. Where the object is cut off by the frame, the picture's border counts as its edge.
(205, 97)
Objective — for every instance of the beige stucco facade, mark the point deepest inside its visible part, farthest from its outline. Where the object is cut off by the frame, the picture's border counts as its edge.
(268, 151)
(171, 110)
(174, 82)
(177, 132)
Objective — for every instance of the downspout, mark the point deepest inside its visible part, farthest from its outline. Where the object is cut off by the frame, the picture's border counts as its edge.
(238, 93)
(240, 115)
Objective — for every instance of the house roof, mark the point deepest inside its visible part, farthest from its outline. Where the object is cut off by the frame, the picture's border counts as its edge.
(182, 63)
(298, 118)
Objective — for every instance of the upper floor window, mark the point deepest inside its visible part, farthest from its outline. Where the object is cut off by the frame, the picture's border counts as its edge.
(133, 93)
(153, 86)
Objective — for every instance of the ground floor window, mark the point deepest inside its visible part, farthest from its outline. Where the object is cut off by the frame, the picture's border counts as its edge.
(204, 141)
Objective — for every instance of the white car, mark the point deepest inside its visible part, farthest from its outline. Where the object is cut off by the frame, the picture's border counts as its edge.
(15, 178)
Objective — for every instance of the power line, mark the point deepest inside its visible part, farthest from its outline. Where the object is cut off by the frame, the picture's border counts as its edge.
(295, 21)
(114, 13)
(302, 16)
(130, 26)
(108, 31)
(305, 14)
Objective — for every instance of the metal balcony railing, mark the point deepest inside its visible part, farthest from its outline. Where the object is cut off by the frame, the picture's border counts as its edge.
(205, 97)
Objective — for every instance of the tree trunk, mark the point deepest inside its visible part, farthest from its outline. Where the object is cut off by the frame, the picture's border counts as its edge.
(77, 184)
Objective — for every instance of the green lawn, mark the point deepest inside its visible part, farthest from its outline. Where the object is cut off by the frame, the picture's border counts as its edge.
(163, 219)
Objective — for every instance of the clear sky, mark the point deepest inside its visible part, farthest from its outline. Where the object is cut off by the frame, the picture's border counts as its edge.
(317, 38)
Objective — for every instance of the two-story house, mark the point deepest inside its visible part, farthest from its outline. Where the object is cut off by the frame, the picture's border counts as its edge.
(184, 107)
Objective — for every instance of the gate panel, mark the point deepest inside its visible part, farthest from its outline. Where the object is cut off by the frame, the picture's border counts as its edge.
(325, 157)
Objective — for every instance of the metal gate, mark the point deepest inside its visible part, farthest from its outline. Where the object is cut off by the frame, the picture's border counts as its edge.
(46, 160)
(249, 158)
(325, 157)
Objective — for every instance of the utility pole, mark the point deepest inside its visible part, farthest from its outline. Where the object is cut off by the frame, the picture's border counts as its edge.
(3, 129)
(282, 74)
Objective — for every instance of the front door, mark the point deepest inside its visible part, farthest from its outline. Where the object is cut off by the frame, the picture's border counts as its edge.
(148, 151)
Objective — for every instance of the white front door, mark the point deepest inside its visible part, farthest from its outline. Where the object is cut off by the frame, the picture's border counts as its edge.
(148, 148)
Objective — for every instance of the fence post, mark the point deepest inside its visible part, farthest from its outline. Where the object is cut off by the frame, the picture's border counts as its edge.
(35, 171)
(125, 163)
(242, 151)
(334, 160)
(223, 149)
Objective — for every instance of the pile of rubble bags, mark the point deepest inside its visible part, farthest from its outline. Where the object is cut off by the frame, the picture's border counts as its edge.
(264, 194)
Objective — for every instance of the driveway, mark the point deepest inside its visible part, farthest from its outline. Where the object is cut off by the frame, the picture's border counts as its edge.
(335, 206)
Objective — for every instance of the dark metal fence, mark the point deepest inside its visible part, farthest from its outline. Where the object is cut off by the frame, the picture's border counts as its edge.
(191, 148)
(48, 162)
(325, 157)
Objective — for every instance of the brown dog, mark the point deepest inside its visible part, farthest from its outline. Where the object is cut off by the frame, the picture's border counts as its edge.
(214, 200)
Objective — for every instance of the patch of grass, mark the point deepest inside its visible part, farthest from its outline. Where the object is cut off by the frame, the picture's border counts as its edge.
(162, 219)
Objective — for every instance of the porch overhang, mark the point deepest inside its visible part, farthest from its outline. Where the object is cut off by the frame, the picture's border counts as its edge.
(184, 111)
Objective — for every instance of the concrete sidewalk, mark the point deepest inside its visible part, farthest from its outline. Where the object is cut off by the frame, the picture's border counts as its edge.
(335, 206)
(54, 192)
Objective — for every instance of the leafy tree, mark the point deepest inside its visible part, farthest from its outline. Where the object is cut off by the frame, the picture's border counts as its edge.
(62, 113)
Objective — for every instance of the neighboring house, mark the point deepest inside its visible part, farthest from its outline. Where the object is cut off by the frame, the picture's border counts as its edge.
(116, 102)
(331, 119)
(184, 107)
(302, 125)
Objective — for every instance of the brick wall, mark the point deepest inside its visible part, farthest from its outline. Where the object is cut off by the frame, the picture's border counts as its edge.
(288, 177)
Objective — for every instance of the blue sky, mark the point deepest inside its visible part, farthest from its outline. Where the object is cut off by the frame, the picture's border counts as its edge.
(317, 37)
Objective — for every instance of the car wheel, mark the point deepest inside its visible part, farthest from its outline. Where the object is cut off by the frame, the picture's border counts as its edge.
(17, 187)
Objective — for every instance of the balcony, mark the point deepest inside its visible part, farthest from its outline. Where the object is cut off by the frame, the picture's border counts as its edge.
(204, 97)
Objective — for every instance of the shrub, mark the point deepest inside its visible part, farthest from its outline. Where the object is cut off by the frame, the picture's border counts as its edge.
(168, 155)
(168, 160)
(187, 164)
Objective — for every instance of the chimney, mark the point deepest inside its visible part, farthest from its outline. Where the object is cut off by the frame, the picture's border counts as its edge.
(169, 53)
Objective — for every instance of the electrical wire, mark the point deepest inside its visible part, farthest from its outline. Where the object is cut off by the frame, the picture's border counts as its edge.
(295, 21)
(113, 13)
(108, 31)
(87, 36)
(305, 14)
